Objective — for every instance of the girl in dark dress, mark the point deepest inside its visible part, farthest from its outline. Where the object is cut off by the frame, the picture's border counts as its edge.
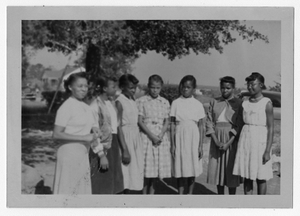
(106, 172)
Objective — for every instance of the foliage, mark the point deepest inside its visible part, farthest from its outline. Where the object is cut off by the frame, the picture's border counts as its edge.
(111, 46)
(277, 86)
(60, 98)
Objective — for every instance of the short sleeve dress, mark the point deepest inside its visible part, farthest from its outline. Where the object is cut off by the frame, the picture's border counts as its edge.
(72, 172)
(133, 173)
(157, 159)
(187, 111)
(252, 142)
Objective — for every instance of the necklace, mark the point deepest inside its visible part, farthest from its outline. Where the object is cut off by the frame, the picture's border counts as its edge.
(256, 99)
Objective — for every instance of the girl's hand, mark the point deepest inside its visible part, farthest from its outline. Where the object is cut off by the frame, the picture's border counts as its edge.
(126, 157)
(89, 138)
(160, 136)
(200, 152)
(219, 144)
(266, 157)
(156, 140)
(104, 163)
(224, 147)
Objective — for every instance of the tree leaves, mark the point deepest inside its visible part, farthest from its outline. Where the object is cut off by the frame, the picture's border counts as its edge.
(123, 40)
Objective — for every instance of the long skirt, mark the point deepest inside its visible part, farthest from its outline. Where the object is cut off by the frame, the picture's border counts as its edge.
(133, 173)
(72, 172)
(157, 158)
(220, 165)
(186, 162)
(110, 181)
(251, 147)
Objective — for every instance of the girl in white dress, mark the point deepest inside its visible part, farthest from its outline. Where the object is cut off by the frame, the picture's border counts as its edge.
(73, 124)
(253, 154)
(187, 133)
(129, 135)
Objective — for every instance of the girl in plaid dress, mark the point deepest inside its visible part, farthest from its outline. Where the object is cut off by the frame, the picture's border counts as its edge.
(154, 121)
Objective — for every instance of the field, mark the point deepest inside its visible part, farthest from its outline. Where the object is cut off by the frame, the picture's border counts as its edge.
(39, 151)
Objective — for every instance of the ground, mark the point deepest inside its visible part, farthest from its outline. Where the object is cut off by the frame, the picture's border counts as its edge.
(39, 151)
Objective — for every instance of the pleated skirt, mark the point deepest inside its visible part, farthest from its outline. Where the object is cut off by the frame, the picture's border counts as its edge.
(220, 164)
(251, 147)
(186, 161)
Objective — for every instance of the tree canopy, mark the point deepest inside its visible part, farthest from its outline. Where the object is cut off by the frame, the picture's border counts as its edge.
(112, 46)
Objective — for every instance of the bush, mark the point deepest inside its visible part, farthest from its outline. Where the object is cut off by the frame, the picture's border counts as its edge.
(60, 98)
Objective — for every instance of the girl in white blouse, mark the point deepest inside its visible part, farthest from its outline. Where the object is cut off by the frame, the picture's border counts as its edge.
(187, 132)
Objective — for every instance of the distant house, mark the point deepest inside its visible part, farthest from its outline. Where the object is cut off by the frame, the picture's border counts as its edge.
(51, 78)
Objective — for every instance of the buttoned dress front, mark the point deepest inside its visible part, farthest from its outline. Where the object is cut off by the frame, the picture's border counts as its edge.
(157, 159)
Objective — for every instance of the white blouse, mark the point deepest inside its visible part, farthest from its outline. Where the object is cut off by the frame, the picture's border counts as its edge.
(187, 109)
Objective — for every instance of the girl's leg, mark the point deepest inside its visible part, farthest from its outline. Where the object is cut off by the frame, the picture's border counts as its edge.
(261, 187)
(232, 190)
(180, 185)
(191, 183)
(151, 186)
(248, 187)
(220, 189)
(146, 184)
(126, 191)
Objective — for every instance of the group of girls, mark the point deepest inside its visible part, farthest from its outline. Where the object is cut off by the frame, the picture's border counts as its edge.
(119, 144)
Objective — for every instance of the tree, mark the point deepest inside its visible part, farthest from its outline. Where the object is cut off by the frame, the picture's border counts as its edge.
(112, 46)
(277, 86)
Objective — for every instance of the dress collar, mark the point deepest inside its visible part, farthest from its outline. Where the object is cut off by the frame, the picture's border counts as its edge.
(149, 98)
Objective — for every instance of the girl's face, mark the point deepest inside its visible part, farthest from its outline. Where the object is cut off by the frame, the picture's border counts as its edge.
(130, 88)
(79, 88)
(111, 88)
(226, 90)
(254, 87)
(187, 89)
(154, 89)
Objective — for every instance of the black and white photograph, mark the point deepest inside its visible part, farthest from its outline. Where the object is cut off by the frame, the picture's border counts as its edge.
(150, 107)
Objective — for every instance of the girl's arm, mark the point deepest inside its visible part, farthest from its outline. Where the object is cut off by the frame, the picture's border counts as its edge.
(155, 139)
(59, 134)
(173, 131)
(124, 149)
(270, 127)
(210, 125)
(164, 129)
(201, 126)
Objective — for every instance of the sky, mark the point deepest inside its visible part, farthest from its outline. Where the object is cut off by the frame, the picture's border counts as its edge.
(238, 59)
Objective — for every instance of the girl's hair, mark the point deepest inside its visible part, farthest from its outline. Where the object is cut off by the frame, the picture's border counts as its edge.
(258, 76)
(72, 78)
(185, 79)
(102, 82)
(155, 78)
(125, 79)
(228, 79)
